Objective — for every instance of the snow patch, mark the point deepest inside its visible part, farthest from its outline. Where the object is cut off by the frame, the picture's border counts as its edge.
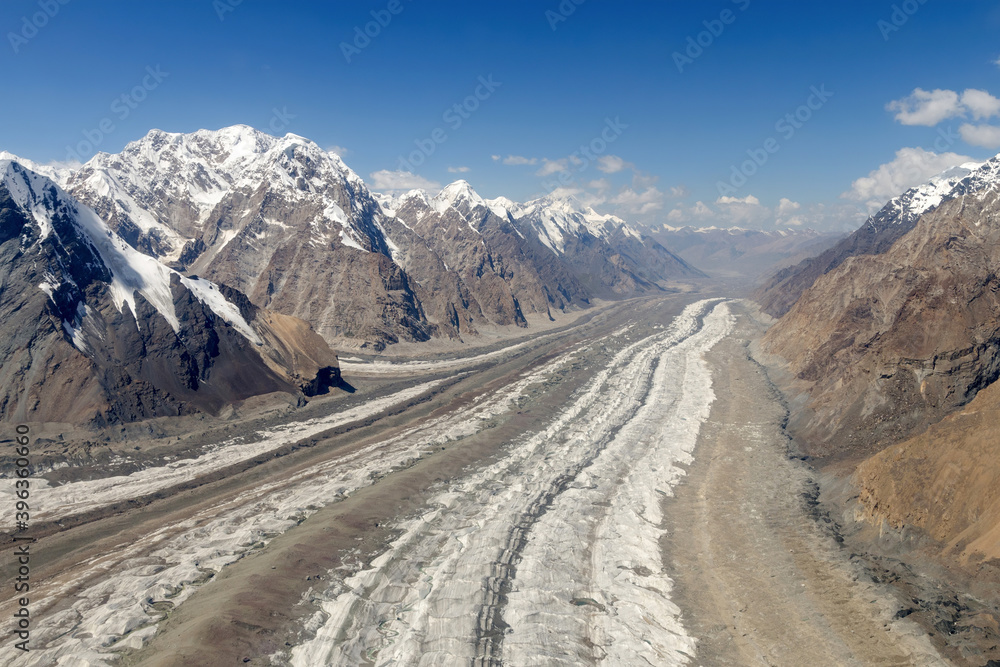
(208, 293)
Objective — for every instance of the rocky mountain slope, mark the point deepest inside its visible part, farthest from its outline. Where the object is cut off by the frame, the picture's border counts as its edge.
(943, 482)
(501, 275)
(511, 260)
(893, 356)
(876, 236)
(97, 332)
(280, 219)
(887, 343)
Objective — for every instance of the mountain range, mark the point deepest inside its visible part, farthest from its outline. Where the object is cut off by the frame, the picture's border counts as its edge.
(276, 248)
(191, 271)
(296, 230)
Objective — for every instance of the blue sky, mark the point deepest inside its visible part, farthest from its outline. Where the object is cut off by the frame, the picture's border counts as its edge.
(897, 90)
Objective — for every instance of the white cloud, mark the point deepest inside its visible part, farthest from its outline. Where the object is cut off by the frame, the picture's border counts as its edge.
(641, 180)
(700, 210)
(401, 180)
(749, 200)
(930, 108)
(980, 103)
(911, 166)
(642, 203)
(496, 158)
(785, 214)
(680, 191)
(696, 214)
(742, 212)
(516, 160)
(612, 164)
(591, 199)
(787, 206)
(923, 107)
(749, 212)
(458, 170)
(986, 136)
(997, 62)
(550, 167)
(339, 150)
(560, 193)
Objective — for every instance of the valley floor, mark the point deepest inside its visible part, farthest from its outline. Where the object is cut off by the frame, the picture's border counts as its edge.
(760, 577)
(615, 492)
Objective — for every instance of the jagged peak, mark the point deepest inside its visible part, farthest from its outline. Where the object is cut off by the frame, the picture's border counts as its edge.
(60, 173)
(503, 207)
(914, 202)
(457, 192)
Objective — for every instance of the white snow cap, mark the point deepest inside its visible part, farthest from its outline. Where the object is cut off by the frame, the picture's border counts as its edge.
(164, 172)
(978, 177)
(557, 219)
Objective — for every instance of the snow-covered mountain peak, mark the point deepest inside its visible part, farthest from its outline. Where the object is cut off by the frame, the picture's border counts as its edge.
(458, 195)
(916, 201)
(60, 174)
(27, 189)
(553, 218)
(981, 180)
(391, 203)
(163, 190)
(503, 207)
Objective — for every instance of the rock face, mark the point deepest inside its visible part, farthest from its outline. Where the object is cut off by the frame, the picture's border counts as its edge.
(889, 342)
(876, 236)
(511, 260)
(97, 332)
(944, 481)
(473, 264)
